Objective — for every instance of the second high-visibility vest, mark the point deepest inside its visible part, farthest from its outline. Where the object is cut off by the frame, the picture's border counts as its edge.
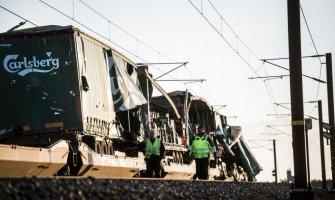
(201, 147)
(152, 148)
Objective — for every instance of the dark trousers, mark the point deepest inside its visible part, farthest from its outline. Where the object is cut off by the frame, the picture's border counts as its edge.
(201, 166)
(154, 166)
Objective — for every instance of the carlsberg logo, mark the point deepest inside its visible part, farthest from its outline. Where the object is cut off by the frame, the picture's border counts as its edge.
(25, 66)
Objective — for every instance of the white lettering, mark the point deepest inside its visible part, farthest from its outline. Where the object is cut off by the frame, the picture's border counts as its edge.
(6, 60)
(25, 66)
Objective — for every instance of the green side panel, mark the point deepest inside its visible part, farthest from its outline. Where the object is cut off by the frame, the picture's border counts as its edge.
(16, 92)
(39, 84)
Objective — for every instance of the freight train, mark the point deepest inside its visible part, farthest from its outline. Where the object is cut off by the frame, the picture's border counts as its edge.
(73, 106)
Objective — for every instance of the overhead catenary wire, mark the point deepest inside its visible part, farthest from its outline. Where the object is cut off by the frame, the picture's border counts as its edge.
(123, 30)
(218, 32)
(18, 15)
(268, 89)
(309, 31)
(119, 46)
(267, 84)
(231, 29)
(316, 50)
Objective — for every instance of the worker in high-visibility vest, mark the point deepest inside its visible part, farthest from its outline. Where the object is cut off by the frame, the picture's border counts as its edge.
(202, 148)
(154, 153)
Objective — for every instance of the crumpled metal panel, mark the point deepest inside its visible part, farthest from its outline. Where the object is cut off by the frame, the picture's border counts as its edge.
(96, 98)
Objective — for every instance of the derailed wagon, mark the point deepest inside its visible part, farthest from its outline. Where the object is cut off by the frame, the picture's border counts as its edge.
(64, 88)
(235, 160)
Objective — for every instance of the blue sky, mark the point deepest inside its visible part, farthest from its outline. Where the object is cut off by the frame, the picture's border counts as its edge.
(174, 31)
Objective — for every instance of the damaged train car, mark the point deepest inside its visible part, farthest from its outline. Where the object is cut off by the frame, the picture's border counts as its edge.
(72, 105)
(235, 159)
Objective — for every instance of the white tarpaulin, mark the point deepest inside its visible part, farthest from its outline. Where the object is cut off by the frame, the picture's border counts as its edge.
(126, 94)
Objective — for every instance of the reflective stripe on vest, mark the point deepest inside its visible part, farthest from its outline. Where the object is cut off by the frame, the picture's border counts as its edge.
(201, 147)
(152, 148)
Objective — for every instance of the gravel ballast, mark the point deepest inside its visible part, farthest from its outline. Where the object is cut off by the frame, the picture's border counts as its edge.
(90, 188)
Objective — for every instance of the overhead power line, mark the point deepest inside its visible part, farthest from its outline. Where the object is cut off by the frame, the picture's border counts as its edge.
(124, 49)
(231, 29)
(267, 84)
(316, 50)
(218, 32)
(123, 30)
(309, 31)
(18, 15)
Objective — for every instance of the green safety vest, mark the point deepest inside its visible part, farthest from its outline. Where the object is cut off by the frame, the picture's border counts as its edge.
(152, 148)
(201, 147)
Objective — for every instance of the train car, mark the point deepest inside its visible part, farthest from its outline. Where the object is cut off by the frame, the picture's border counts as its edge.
(72, 105)
(236, 161)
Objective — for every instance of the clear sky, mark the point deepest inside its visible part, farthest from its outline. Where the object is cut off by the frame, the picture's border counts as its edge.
(174, 31)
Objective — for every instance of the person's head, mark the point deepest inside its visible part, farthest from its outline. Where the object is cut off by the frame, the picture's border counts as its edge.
(201, 130)
(152, 133)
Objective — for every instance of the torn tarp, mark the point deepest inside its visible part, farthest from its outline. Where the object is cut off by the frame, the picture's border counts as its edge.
(126, 94)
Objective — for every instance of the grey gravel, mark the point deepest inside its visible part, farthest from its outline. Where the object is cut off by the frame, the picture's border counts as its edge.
(90, 188)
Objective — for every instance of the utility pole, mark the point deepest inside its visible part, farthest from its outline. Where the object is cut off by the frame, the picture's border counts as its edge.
(322, 151)
(297, 107)
(331, 113)
(275, 160)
